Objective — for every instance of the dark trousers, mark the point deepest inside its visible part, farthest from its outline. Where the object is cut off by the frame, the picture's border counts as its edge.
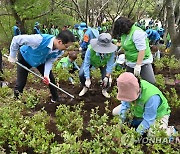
(147, 72)
(82, 77)
(1, 70)
(22, 75)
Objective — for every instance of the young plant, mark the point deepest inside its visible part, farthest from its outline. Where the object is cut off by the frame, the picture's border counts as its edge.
(38, 137)
(160, 81)
(173, 98)
(31, 98)
(68, 120)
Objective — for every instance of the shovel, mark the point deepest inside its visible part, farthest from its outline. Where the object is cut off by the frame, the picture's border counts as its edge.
(42, 78)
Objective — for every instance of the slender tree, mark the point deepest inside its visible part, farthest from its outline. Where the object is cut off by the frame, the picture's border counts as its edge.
(174, 33)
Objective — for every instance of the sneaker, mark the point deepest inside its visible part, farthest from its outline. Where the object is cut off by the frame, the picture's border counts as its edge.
(55, 100)
(3, 84)
(83, 91)
(105, 93)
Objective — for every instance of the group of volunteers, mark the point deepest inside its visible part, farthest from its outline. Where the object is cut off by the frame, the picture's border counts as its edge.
(141, 96)
(53, 30)
(155, 33)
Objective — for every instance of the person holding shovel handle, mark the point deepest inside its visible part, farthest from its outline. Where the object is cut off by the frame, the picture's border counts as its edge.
(39, 51)
(100, 54)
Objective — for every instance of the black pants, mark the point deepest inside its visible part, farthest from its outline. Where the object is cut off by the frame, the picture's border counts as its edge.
(147, 72)
(1, 70)
(22, 75)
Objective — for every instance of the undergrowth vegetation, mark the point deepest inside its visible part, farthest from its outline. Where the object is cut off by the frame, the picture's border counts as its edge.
(23, 128)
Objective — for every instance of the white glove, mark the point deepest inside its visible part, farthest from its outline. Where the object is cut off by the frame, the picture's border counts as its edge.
(12, 60)
(110, 81)
(88, 83)
(105, 81)
(80, 49)
(137, 70)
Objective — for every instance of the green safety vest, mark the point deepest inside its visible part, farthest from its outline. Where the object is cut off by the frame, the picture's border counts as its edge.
(96, 60)
(56, 31)
(168, 37)
(148, 90)
(45, 30)
(66, 61)
(131, 53)
(52, 30)
(75, 32)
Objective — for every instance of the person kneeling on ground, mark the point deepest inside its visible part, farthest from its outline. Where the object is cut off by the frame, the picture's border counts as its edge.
(100, 54)
(148, 104)
(69, 63)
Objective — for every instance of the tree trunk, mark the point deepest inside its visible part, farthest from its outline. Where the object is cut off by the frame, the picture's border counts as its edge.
(132, 8)
(178, 16)
(175, 49)
(175, 37)
(87, 10)
(17, 17)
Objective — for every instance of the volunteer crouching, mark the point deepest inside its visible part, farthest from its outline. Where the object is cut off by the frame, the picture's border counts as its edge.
(100, 54)
(145, 101)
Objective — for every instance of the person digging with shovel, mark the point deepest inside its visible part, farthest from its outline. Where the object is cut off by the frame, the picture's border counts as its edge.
(100, 54)
(39, 51)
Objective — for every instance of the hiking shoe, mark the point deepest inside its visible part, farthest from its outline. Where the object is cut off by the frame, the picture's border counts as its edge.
(83, 91)
(55, 100)
(105, 93)
(3, 84)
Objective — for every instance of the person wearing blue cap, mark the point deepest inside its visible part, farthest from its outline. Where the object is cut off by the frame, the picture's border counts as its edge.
(36, 28)
(153, 36)
(89, 33)
(161, 32)
(16, 29)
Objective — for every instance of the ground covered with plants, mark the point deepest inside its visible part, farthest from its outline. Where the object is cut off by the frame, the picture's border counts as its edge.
(81, 125)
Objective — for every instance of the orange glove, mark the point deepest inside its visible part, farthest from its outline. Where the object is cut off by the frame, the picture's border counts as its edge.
(46, 80)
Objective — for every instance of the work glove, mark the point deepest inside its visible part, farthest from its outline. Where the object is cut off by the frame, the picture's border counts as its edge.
(105, 81)
(46, 80)
(110, 81)
(80, 49)
(12, 60)
(137, 70)
(88, 83)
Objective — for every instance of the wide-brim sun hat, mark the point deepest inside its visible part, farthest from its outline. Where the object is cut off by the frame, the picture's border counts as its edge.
(128, 87)
(103, 44)
(83, 26)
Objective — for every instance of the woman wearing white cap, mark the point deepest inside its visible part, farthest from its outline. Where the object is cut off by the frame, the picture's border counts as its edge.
(149, 104)
(100, 54)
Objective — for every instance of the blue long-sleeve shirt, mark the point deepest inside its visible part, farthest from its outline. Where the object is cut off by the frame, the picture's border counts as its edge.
(87, 64)
(88, 35)
(33, 41)
(149, 115)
